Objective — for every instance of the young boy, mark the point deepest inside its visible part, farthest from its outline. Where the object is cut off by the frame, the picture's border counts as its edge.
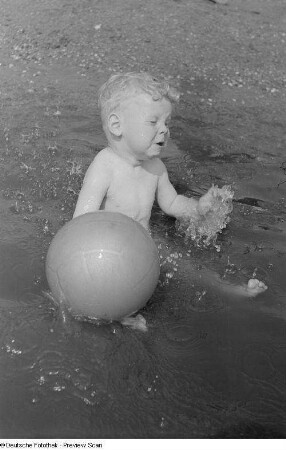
(128, 174)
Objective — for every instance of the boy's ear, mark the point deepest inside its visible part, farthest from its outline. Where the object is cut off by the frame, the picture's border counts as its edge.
(114, 125)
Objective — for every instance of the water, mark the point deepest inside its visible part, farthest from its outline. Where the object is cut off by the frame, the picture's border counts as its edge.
(212, 364)
(204, 232)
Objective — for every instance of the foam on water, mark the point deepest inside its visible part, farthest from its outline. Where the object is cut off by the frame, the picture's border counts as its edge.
(204, 231)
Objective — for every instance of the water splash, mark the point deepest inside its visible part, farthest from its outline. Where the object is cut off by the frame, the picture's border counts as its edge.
(204, 231)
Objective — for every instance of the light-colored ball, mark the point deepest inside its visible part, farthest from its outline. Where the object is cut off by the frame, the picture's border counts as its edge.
(102, 265)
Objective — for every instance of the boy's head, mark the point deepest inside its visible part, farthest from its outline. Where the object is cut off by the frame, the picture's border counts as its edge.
(122, 87)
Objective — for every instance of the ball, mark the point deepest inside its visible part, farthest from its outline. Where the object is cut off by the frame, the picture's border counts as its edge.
(102, 265)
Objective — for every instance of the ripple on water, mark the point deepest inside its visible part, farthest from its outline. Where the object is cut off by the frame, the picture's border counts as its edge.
(182, 337)
(257, 362)
(262, 367)
(204, 301)
(184, 393)
(24, 325)
(71, 370)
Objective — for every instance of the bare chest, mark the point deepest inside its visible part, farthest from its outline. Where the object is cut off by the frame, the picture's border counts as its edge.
(136, 184)
(132, 191)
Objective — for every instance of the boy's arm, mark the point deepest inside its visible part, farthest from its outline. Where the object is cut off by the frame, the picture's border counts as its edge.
(95, 185)
(171, 202)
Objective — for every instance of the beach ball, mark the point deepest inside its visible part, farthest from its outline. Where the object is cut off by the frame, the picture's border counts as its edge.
(102, 265)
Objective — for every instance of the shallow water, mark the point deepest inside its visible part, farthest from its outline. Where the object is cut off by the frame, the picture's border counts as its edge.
(212, 363)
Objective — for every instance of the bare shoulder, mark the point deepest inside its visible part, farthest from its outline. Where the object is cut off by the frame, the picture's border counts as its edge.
(104, 158)
(102, 163)
(155, 166)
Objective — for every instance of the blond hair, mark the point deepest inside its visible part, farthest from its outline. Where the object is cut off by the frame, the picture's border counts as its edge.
(122, 86)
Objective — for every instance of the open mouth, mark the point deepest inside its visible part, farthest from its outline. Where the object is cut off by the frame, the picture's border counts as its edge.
(160, 143)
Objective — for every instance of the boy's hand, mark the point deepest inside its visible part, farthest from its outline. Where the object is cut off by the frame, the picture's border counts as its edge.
(207, 201)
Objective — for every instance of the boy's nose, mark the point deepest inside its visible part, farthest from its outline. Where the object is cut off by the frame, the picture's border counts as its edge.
(164, 129)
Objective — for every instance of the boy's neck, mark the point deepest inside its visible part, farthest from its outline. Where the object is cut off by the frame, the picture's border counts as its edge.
(126, 156)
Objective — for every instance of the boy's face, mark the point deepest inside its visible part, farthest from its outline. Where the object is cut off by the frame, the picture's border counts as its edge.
(145, 126)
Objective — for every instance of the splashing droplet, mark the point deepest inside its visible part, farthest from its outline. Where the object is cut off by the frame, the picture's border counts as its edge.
(205, 230)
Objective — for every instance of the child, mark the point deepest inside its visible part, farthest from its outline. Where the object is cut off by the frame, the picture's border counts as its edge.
(128, 174)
